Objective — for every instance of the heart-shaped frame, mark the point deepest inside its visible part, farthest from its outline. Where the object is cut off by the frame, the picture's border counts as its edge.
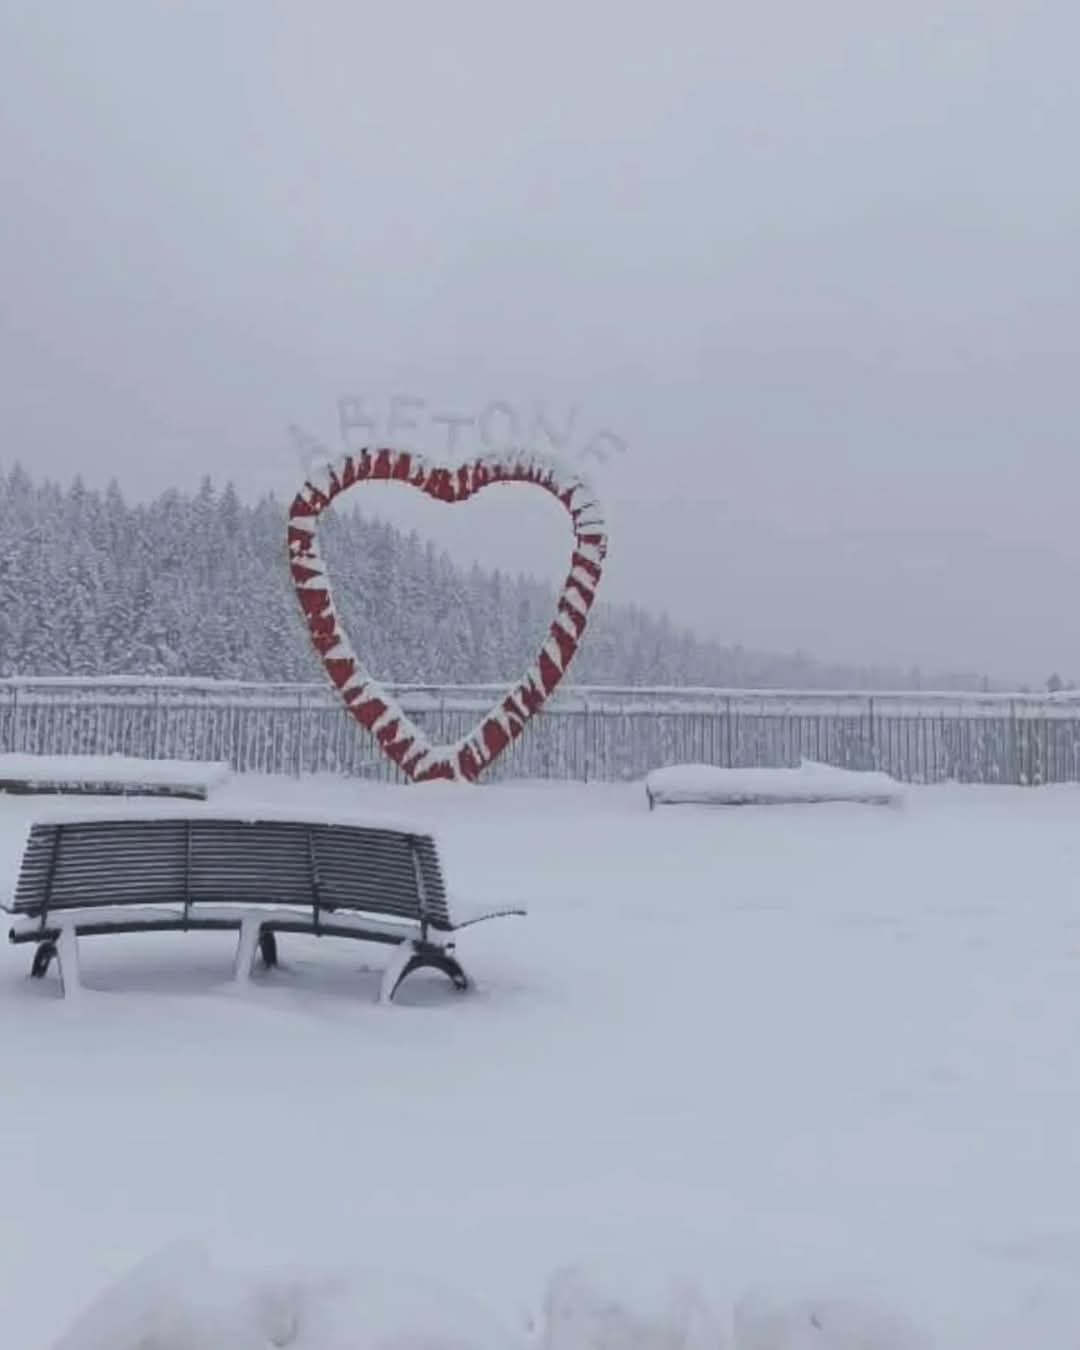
(373, 706)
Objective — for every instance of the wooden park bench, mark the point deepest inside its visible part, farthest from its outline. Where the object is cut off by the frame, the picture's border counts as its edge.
(133, 873)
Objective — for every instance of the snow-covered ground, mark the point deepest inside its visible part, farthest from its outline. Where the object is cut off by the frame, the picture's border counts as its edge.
(815, 1065)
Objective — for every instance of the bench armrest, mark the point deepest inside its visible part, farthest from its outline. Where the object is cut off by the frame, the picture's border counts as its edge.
(465, 913)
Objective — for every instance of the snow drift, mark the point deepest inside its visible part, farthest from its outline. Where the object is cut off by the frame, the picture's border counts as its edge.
(179, 1300)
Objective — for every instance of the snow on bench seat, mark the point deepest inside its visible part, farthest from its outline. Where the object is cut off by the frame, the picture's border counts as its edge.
(251, 812)
(110, 776)
(711, 785)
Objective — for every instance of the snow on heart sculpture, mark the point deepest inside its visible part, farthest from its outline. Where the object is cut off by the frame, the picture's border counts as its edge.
(369, 701)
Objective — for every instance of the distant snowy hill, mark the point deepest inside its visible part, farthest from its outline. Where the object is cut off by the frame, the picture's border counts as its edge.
(196, 585)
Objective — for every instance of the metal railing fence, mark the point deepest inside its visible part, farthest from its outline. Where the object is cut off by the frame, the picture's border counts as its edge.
(584, 733)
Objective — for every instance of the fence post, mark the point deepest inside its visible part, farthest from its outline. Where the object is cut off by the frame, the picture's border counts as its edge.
(298, 759)
(16, 724)
(155, 730)
(585, 719)
(871, 748)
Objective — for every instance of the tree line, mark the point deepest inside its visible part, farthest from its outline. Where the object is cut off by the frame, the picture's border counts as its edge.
(197, 584)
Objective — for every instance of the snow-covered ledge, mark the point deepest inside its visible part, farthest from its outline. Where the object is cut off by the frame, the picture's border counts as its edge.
(110, 776)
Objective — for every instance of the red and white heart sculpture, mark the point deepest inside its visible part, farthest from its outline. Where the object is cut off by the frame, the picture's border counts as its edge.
(373, 706)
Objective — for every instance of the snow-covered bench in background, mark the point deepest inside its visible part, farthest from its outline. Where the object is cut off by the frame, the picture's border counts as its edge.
(140, 871)
(109, 776)
(711, 785)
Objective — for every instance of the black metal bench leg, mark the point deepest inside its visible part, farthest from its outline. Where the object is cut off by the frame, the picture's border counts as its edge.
(425, 957)
(440, 959)
(268, 947)
(43, 959)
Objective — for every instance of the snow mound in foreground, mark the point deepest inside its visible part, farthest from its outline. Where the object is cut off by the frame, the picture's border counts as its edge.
(179, 1300)
(762, 1322)
(581, 1314)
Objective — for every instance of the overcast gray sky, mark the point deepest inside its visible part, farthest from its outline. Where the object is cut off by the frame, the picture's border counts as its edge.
(816, 264)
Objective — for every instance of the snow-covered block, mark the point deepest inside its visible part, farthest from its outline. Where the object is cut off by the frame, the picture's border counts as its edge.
(712, 785)
(110, 776)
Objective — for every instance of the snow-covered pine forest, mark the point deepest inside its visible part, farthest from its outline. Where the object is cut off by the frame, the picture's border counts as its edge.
(92, 584)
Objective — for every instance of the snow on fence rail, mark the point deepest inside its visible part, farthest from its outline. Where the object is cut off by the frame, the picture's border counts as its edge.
(585, 732)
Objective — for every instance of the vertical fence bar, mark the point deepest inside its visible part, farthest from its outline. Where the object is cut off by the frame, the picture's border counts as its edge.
(16, 721)
(871, 748)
